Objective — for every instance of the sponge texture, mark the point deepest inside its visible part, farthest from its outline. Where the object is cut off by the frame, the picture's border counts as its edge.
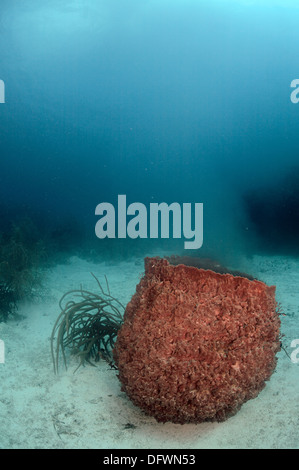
(195, 344)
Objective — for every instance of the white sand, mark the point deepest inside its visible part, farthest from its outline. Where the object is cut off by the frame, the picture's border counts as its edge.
(88, 410)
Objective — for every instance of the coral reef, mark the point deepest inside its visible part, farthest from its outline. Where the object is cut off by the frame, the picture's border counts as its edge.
(7, 302)
(21, 252)
(196, 344)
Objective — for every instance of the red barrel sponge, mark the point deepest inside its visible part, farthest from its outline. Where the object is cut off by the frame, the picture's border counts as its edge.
(195, 344)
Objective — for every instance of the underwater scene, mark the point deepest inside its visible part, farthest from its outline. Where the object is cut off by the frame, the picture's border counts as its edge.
(149, 226)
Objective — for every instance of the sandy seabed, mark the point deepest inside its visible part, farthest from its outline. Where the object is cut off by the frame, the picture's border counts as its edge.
(87, 410)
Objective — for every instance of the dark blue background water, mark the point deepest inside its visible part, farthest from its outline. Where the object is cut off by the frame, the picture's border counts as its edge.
(185, 101)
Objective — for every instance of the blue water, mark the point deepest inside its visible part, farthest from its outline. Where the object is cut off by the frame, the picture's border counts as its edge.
(163, 101)
(185, 101)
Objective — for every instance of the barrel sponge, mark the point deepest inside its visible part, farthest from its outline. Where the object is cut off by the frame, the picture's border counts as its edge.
(195, 344)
